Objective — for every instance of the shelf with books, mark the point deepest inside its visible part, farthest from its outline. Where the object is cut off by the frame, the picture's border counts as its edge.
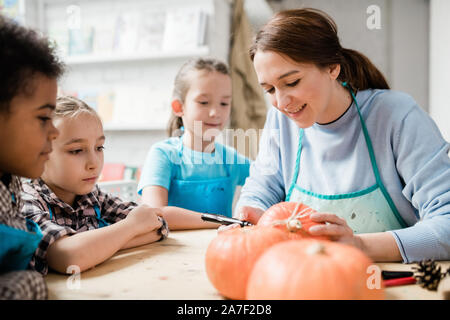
(128, 106)
(117, 57)
(132, 127)
(123, 56)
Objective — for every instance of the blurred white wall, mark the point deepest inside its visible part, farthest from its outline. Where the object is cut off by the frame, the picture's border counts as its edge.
(440, 65)
(399, 48)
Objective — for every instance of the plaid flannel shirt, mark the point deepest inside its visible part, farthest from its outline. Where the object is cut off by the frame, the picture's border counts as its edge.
(10, 210)
(67, 220)
(24, 284)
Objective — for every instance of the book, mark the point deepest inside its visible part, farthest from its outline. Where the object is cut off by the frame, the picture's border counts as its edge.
(60, 38)
(151, 31)
(103, 40)
(90, 97)
(184, 29)
(130, 173)
(141, 106)
(105, 105)
(126, 32)
(81, 40)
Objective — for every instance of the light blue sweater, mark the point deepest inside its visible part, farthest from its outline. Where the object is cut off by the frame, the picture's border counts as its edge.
(411, 154)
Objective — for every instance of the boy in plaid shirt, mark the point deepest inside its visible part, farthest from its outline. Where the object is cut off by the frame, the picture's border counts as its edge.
(81, 225)
(29, 71)
(16, 284)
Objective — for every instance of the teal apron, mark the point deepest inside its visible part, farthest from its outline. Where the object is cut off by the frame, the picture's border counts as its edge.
(366, 211)
(18, 246)
(101, 222)
(206, 196)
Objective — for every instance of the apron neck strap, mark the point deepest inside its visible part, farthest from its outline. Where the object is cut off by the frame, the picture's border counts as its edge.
(374, 162)
(297, 164)
(366, 137)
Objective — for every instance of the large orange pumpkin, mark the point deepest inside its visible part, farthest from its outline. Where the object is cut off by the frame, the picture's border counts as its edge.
(311, 269)
(293, 217)
(231, 255)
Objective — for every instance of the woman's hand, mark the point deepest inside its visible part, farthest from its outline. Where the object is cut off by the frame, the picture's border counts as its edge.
(335, 228)
(249, 214)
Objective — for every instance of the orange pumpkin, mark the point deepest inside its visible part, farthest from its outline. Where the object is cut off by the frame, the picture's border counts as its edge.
(312, 269)
(293, 217)
(231, 255)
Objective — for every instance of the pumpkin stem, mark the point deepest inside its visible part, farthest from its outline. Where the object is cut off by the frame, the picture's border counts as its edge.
(315, 248)
(292, 223)
(295, 209)
(295, 215)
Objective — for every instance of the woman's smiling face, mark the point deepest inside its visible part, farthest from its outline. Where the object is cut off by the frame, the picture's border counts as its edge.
(301, 91)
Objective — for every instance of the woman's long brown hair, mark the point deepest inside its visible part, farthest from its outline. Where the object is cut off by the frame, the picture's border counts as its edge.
(310, 36)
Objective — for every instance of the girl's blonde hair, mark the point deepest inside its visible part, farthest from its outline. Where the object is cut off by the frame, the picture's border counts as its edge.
(181, 84)
(68, 106)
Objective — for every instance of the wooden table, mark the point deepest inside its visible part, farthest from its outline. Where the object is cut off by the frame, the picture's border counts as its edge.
(172, 269)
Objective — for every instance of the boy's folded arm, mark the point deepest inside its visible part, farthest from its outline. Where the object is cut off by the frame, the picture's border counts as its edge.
(142, 239)
(89, 248)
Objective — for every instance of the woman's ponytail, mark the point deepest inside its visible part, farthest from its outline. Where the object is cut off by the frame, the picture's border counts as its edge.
(359, 71)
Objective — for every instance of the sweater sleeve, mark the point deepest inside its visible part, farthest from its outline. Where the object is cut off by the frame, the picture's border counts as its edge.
(423, 163)
(264, 187)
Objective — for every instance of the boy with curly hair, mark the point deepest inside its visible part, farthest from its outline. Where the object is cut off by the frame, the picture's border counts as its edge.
(29, 69)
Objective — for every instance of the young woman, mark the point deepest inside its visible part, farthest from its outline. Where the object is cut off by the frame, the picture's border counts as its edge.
(368, 159)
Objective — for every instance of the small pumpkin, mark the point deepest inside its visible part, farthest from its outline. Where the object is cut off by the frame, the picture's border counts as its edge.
(291, 217)
(312, 269)
(231, 255)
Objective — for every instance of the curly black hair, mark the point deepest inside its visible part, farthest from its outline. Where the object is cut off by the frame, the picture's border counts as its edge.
(23, 54)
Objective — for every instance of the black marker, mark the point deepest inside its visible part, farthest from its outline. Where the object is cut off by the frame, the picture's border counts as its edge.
(217, 218)
(387, 275)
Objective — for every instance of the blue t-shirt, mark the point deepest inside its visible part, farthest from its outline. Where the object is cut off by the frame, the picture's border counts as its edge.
(169, 159)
